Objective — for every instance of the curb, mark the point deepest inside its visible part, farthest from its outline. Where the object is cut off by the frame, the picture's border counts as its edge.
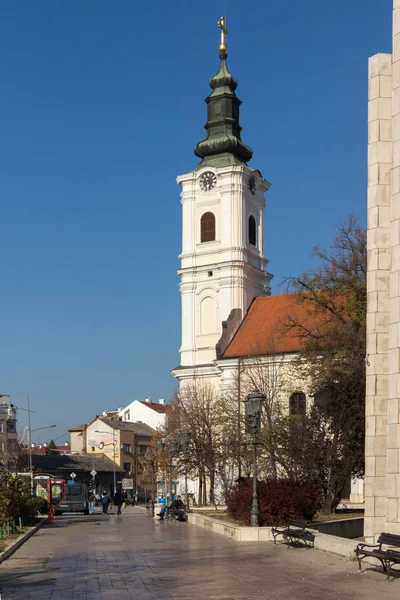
(20, 541)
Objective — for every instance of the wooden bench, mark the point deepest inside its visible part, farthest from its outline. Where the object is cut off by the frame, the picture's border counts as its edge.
(294, 529)
(387, 557)
(176, 513)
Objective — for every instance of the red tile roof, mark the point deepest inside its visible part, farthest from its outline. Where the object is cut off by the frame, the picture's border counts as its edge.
(160, 408)
(264, 329)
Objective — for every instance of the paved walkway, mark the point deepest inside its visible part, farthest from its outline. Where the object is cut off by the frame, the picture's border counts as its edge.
(132, 557)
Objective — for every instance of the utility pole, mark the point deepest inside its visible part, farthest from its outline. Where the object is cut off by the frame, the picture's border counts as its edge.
(29, 436)
(136, 473)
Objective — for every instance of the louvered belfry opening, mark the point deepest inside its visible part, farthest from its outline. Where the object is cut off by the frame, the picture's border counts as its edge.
(207, 227)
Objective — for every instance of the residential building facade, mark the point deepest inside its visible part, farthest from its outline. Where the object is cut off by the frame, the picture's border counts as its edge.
(122, 442)
(8, 427)
(148, 412)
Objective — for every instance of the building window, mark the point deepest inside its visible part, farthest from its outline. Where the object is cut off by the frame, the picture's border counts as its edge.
(126, 447)
(127, 467)
(252, 231)
(207, 227)
(11, 427)
(127, 415)
(297, 404)
(11, 445)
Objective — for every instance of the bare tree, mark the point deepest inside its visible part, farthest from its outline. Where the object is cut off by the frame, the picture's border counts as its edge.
(333, 329)
(199, 408)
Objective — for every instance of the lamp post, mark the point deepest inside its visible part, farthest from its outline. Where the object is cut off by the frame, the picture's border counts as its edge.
(253, 407)
(173, 449)
(184, 439)
(160, 450)
(114, 444)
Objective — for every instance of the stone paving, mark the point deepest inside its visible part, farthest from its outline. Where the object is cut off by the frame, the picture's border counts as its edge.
(132, 557)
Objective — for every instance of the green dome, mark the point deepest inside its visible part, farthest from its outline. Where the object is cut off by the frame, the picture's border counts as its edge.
(223, 145)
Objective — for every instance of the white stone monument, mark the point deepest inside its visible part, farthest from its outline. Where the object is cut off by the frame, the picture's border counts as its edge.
(382, 450)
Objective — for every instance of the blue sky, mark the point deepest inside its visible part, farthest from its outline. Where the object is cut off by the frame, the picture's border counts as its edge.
(102, 104)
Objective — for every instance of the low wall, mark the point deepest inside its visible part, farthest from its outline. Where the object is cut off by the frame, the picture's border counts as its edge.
(322, 541)
(345, 528)
(234, 532)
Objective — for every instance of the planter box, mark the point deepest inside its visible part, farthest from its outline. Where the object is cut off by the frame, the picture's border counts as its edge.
(344, 528)
(235, 532)
(322, 541)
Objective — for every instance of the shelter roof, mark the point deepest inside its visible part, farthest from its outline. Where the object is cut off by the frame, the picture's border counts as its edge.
(74, 462)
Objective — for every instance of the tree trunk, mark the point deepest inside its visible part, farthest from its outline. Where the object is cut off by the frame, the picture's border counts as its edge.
(204, 490)
(212, 487)
(200, 490)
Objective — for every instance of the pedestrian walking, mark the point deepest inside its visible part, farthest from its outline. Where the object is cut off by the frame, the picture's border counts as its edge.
(105, 501)
(91, 500)
(118, 500)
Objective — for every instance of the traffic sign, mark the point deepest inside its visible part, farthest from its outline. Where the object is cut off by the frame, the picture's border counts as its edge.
(93, 472)
(72, 475)
(127, 484)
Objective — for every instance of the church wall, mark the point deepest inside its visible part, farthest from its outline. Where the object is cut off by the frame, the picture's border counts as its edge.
(279, 374)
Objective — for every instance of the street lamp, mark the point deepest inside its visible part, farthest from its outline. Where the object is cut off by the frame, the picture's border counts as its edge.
(30, 431)
(160, 450)
(184, 439)
(114, 443)
(253, 407)
(173, 449)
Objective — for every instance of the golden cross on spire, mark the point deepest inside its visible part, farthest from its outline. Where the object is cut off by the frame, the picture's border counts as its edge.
(222, 25)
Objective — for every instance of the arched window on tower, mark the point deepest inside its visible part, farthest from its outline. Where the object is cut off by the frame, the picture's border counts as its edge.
(297, 404)
(252, 231)
(207, 227)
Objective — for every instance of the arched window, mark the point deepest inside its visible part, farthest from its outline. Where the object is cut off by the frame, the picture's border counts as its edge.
(297, 404)
(252, 231)
(207, 227)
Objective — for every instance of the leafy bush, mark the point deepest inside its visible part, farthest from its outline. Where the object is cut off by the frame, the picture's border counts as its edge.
(283, 499)
(16, 499)
(238, 501)
(278, 501)
(42, 506)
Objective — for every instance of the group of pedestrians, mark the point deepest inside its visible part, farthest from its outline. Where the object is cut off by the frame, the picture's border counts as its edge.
(119, 499)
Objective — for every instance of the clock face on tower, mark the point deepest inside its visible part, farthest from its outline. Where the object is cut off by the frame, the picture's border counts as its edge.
(207, 181)
(252, 185)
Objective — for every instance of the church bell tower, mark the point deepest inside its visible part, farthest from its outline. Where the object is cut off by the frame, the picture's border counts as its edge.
(222, 261)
